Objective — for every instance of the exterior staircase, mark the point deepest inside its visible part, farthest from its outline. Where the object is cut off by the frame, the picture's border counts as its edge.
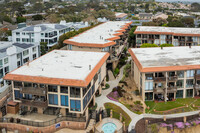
(91, 125)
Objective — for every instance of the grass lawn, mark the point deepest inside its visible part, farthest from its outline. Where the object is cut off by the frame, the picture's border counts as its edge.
(116, 112)
(162, 106)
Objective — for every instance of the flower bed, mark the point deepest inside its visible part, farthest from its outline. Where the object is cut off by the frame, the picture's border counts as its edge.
(113, 96)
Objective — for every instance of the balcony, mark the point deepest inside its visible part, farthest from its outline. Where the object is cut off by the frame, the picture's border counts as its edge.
(34, 103)
(159, 79)
(197, 87)
(159, 90)
(171, 89)
(197, 76)
(34, 91)
(173, 78)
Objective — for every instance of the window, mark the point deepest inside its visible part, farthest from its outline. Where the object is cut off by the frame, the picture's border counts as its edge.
(53, 99)
(32, 34)
(42, 86)
(148, 85)
(189, 93)
(75, 105)
(18, 95)
(70, 47)
(180, 83)
(64, 100)
(6, 61)
(18, 39)
(149, 76)
(6, 69)
(18, 56)
(180, 74)
(26, 60)
(106, 49)
(149, 96)
(52, 88)
(26, 52)
(190, 73)
(34, 56)
(42, 34)
(27, 84)
(18, 64)
(34, 49)
(198, 72)
(1, 63)
(64, 89)
(189, 83)
(74, 92)
(32, 40)
(23, 33)
(17, 84)
(99, 78)
(179, 94)
(17, 34)
(1, 73)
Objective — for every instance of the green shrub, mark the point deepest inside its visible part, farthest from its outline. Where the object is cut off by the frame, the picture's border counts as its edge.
(154, 128)
(106, 87)
(166, 45)
(146, 45)
(116, 71)
(138, 103)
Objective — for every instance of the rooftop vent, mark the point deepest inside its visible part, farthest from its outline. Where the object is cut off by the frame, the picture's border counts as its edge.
(89, 67)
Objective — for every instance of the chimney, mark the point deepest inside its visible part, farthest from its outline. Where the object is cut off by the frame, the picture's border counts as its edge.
(89, 67)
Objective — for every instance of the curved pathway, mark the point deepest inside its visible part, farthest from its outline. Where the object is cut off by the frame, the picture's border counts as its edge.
(134, 117)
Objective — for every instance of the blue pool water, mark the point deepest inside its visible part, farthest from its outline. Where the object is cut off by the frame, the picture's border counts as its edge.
(109, 127)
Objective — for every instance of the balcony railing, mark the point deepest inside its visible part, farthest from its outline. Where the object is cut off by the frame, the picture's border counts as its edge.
(34, 103)
(197, 87)
(173, 78)
(172, 89)
(159, 90)
(197, 76)
(159, 79)
(35, 91)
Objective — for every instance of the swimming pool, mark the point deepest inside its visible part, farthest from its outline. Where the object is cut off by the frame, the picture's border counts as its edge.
(109, 127)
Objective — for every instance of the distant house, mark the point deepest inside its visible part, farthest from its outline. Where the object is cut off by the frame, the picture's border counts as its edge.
(145, 16)
(120, 16)
(160, 15)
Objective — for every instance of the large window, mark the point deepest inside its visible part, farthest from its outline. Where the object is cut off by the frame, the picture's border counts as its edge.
(52, 88)
(180, 83)
(190, 73)
(26, 52)
(74, 92)
(1, 63)
(149, 76)
(34, 49)
(53, 99)
(26, 84)
(17, 84)
(75, 105)
(6, 69)
(189, 93)
(64, 89)
(6, 61)
(180, 74)
(149, 96)
(64, 100)
(26, 60)
(1, 73)
(18, 95)
(179, 94)
(189, 83)
(148, 85)
(34, 56)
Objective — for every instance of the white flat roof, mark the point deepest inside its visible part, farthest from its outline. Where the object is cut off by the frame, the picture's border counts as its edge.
(168, 56)
(100, 33)
(168, 29)
(62, 64)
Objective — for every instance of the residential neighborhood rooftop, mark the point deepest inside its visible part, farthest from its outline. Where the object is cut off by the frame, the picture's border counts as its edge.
(120, 15)
(60, 67)
(172, 30)
(102, 34)
(167, 57)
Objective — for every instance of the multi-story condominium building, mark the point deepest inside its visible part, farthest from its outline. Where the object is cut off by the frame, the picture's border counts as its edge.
(49, 33)
(62, 81)
(170, 35)
(14, 55)
(166, 73)
(107, 37)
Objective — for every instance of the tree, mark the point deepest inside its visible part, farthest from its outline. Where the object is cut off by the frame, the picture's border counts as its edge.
(131, 37)
(188, 21)
(195, 7)
(160, 21)
(20, 19)
(146, 45)
(43, 48)
(176, 23)
(105, 13)
(149, 24)
(37, 17)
